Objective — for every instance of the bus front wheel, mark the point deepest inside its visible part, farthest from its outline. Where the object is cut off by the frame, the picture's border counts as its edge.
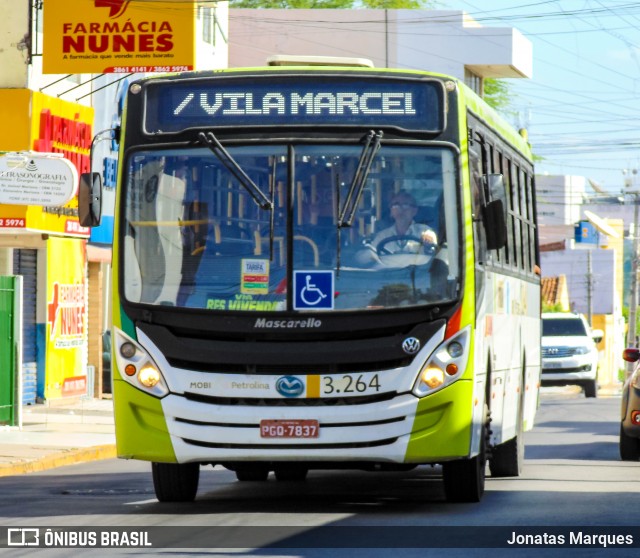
(175, 482)
(464, 479)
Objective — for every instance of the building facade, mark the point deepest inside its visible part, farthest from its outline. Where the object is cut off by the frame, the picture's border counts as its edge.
(448, 42)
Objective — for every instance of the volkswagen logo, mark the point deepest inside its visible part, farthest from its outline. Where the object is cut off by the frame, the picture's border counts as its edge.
(411, 345)
(290, 386)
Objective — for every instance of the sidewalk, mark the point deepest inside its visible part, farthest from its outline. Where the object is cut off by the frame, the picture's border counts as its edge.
(57, 435)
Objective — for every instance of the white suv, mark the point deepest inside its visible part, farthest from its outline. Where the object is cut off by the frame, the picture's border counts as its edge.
(569, 352)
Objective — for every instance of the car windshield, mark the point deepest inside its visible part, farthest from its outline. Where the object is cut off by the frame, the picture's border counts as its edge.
(194, 236)
(562, 327)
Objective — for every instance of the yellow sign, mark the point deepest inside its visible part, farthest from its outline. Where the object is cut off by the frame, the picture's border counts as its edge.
(118, 36)
(56, 126)
(66, 319)
(15, 115)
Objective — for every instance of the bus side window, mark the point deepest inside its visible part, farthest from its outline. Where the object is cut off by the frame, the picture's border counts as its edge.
(477, 202)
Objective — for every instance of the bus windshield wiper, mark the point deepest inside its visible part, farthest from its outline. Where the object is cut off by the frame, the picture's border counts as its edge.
(212, 142)
(371, 147)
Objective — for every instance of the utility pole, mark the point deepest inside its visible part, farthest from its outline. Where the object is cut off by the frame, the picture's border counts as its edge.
(633, 303)
(590, 287)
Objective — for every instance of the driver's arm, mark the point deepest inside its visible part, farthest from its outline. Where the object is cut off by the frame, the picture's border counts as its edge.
(367, 255)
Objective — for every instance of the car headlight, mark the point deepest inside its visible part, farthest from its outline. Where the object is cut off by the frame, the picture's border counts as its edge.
(582, 350)
(445, 365)
(137, 366)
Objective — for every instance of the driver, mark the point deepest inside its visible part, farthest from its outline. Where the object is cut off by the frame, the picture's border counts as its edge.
(405, 235)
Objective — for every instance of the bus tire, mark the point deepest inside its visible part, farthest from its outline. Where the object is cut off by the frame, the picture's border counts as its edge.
(175, 482)
(464, 479)
(507, 458)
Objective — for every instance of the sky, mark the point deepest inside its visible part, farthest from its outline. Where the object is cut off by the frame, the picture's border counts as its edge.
(582, 105)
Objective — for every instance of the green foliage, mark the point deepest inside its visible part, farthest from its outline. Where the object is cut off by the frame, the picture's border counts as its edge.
(552, 307)
(292, 4)
(335, 4)
(625, 315)
(395, 4)
(498, 94)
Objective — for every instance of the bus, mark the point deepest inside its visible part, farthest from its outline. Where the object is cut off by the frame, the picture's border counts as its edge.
(261, 322)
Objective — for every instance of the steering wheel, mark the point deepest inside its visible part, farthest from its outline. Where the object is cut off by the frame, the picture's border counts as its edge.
(382, 250)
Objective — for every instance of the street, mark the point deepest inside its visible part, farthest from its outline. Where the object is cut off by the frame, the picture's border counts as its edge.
(573, 477)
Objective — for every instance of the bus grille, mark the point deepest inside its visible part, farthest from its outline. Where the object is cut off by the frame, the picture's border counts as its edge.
(324, 425)
(310, 447)
(283, 402)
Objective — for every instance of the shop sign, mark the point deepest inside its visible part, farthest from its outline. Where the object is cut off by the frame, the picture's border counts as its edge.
(44, 179)
(66, 341)
(118, 36)
(55, 127)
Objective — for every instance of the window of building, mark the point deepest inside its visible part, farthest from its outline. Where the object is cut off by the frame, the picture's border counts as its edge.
(208, 25)
(474, 81)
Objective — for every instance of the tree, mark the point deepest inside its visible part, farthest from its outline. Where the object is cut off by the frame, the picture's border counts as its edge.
(546, 307)
(498, 94)
(332, 4)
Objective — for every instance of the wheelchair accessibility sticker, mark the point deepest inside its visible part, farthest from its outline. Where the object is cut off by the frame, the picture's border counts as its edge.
(313, 290)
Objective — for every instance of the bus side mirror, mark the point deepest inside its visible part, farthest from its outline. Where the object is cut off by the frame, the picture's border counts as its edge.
(90, 199)
(494, 225)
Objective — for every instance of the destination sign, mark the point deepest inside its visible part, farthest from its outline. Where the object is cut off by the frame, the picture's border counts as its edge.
(173, 106)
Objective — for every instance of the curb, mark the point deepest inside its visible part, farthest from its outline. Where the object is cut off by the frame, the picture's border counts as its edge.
(70, 457)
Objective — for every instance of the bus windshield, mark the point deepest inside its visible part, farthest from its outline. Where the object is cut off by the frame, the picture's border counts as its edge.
(195, 237)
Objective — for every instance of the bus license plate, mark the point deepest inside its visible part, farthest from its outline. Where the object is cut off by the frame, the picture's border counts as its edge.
(289, 428)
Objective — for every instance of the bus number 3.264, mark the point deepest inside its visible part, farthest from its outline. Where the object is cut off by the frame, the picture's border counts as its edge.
(350, 384)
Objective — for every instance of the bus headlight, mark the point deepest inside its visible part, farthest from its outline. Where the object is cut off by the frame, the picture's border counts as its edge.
(445, 365)
(432, 377)
(138, 366)
(149, 376)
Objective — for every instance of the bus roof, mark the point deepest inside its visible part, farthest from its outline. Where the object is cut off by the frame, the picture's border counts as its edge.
(336, 61)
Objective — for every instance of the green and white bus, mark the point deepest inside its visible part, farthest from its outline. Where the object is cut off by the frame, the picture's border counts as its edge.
(259, 322)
